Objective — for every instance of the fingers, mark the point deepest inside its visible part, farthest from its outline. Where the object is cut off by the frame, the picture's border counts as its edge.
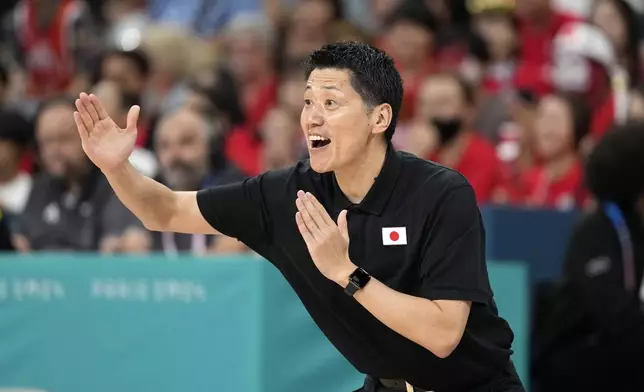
(319, 216)
(85, 118)
(82, 130)
(343, 225)
(320, 208)
(304, 230)
(308, 220)
(97, 106)
(133, 117)
(89, 106)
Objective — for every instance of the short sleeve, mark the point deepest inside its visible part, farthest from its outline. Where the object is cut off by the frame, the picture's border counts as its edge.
(453, 263)
(243, 210)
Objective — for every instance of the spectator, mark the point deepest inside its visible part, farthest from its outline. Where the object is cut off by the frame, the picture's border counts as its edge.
(167, 89)
(15, 185)
(538, 24)
(71, 206)
(283, 142)
(46, 64)
(129, 69)
(618, 21)
(183, 143)
(445, 110)
(409, 39)
(250, 43)
(636, 104)
(595, 319)
(556, 181)
(586, 65)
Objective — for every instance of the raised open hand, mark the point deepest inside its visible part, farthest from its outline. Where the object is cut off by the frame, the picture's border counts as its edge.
(107, 145)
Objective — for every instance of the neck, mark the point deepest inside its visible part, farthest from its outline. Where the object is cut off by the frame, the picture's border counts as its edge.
(356, 179)
(560, 166)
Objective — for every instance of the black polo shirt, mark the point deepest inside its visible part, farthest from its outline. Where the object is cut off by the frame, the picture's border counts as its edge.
(443, 258)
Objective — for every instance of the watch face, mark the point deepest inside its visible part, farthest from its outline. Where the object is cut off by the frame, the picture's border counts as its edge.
(360, 277)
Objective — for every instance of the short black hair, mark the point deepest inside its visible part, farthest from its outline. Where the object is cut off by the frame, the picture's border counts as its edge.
(15, 128)
(614, 168)
(372, 74)
(54, 101)
(137, 57)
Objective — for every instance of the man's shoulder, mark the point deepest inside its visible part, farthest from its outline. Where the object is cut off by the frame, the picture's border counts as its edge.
(429, 175)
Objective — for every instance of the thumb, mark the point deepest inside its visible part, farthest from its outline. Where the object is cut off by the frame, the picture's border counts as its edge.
(133, 117)
(342, 224)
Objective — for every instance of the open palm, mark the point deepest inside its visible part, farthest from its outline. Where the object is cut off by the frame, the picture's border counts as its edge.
(107, 145)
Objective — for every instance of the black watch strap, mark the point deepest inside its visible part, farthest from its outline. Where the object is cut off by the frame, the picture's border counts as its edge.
(357, 281)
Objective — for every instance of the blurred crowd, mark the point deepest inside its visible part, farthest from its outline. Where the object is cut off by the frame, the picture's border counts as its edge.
(514, 94)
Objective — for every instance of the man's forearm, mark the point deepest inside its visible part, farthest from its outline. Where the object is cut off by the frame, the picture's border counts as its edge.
(427, 323)
(153, 203)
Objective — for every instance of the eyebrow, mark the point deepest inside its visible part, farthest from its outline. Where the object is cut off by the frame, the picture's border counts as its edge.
(308, 87)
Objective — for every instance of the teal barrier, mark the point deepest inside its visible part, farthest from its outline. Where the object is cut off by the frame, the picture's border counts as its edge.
(78, 323)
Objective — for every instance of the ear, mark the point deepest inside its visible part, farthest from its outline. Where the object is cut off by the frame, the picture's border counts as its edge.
(380, 118)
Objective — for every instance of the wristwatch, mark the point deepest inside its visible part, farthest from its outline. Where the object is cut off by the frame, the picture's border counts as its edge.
(357, 281)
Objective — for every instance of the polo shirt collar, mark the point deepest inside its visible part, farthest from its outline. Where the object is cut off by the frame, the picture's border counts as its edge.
(381, 190)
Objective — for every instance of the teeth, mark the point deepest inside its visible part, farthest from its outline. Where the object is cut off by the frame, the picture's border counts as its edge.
(317, 137)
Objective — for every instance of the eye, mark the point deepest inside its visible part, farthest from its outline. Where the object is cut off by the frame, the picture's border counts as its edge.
(307, 102)
(330, 103)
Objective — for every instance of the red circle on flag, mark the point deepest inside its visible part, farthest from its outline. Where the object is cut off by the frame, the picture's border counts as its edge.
(394, 236)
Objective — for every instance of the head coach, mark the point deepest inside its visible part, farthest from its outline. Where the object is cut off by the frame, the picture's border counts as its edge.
(385, 250)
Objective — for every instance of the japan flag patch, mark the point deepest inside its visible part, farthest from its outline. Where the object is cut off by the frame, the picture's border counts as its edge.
(394, 236)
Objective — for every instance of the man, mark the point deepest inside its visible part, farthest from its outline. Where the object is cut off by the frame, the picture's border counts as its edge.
(71, 206)
(420, 308)
(445, 110)
(183, 143)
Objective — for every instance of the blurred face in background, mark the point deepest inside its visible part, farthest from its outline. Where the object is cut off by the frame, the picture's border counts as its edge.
(249, 54)
(554, 128)
(383, 8)
(498, 32)
(290, 94)
(182, 146)
(60, 148)
(636, 106)
(312, 17)
(123, 71)
(607, 17)
(409, 42)
(282, 140)
(443, 106)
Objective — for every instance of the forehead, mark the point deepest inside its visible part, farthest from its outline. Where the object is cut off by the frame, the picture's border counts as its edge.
(441, 85)
(331, 79)
(181, 124)
(55, 118)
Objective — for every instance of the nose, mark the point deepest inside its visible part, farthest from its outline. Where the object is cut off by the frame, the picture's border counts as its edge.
(314, 117)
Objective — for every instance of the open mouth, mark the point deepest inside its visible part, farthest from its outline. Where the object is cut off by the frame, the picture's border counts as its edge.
(318, 141)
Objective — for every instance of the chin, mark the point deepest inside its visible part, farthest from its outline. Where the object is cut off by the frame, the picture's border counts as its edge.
(321, 166)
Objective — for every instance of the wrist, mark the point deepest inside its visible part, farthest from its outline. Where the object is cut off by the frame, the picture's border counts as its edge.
(343, 274)
(116, 171)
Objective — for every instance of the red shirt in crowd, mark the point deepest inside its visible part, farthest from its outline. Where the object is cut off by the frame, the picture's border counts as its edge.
(563, 193)
(536, 51)
(48, 54)
(243, 149)
(259, 103)
(603, 119)
(480, 165)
